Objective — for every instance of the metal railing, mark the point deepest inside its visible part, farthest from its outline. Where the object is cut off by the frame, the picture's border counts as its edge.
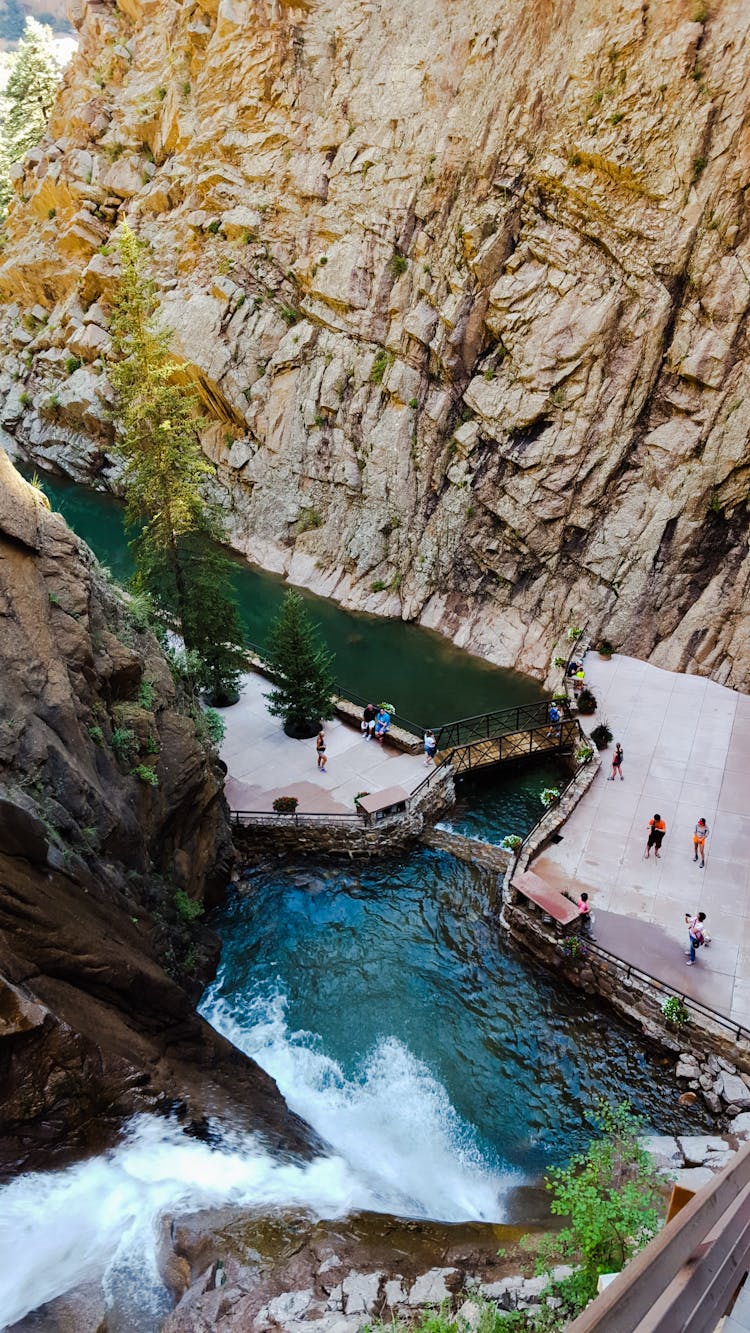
(553, 804)
(499, 721)
(686, 1277)
(550, 738)
(737, 1030)
(243, 818)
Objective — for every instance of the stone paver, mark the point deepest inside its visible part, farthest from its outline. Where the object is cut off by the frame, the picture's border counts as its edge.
(687, 744)
(262, 762)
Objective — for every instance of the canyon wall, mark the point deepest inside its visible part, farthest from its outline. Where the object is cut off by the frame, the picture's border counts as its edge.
(103, 869)
(464, 289)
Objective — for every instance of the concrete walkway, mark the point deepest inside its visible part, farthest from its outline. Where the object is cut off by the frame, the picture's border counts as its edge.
(687, 745)
(262, 762)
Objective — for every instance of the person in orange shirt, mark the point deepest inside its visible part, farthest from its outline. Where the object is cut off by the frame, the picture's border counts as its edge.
(657, 829)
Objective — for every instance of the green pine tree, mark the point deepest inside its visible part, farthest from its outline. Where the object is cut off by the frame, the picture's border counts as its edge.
(179, 563)
(300, 670)
(28, 98)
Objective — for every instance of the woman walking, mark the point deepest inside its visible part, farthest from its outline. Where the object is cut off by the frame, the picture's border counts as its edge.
(617, 759)
(430, 747)
(320, 746)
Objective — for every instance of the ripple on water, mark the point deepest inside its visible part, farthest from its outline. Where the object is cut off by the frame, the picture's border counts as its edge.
(401, 952)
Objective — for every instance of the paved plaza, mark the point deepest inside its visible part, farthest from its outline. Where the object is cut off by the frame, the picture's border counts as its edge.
(262, 762)
(687, 743)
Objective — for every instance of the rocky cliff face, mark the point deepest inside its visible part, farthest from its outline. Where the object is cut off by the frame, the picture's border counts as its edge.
(98, 969)
(465, 292)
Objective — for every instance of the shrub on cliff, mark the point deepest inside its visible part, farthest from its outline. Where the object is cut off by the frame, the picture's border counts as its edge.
(179, 563)
(300, 670)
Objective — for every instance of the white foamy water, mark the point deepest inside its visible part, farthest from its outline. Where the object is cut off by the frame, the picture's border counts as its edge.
(397, 1145)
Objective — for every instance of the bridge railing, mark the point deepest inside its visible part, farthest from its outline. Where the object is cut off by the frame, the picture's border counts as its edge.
(549, 738)
(500, 721)
(685, 1278)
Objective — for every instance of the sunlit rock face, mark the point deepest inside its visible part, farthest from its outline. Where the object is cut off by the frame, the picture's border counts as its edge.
(464, 289)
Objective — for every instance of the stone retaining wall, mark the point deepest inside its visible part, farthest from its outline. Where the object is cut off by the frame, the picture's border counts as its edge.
(719, 1055)
(557, 814)
(320, 837)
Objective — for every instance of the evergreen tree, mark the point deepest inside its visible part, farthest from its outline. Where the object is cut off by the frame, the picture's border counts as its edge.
(300, 670)
(29, 96)
(179, 563)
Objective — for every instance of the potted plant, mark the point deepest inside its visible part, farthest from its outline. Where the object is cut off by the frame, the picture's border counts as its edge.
(388, 708)
(573, 947)
(574, 633)
(285, 805)
(560, 663)
(586, 702)
(601, 736)
(584, 754)
(675, 1011)
(549, 795)
(605, 649)
(511, 842)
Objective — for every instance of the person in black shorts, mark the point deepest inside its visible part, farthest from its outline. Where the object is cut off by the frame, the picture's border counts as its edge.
(657, 829)
(617, 759)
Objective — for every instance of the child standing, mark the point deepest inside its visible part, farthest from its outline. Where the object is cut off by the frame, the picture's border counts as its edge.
(699, 841)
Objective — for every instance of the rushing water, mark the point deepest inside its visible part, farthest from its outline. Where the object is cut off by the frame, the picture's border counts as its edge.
(422, 673)
(439, 1065)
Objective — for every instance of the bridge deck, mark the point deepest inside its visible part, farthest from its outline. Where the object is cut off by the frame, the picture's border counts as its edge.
(546, 739)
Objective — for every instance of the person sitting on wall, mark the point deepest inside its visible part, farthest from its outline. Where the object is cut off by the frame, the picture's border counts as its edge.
(382, 725)
(367, 725)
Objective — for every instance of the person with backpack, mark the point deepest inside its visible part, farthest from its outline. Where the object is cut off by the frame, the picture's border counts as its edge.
(617, 759)
(696, 934)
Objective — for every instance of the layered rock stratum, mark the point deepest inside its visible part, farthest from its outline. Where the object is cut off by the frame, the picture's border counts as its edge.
(464, 288)
(99, 868)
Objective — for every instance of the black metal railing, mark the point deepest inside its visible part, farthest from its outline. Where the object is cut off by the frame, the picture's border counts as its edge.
(549, 738)
(242, 818)
(553, 804)
(498, 722)
(705, 1010)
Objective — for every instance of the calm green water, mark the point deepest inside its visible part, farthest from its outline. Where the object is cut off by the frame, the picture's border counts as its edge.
(401, 1023)
(504, 801)
(419, 671)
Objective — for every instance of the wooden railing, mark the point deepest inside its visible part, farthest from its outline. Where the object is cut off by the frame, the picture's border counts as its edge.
(685, 1278)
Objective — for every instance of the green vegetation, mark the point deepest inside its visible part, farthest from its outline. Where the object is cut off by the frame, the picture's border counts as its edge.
(180, 567)
(380, 364)
(300, 670)
(675, 1011)
(188, 909)
(398, 264)
(309, 518)
(124, 743)
(72, 363)
(27, 100)
(548, 796)
(97, 735)
(145, 774)
(146, 695)
(216, 727)
(611, 1195)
